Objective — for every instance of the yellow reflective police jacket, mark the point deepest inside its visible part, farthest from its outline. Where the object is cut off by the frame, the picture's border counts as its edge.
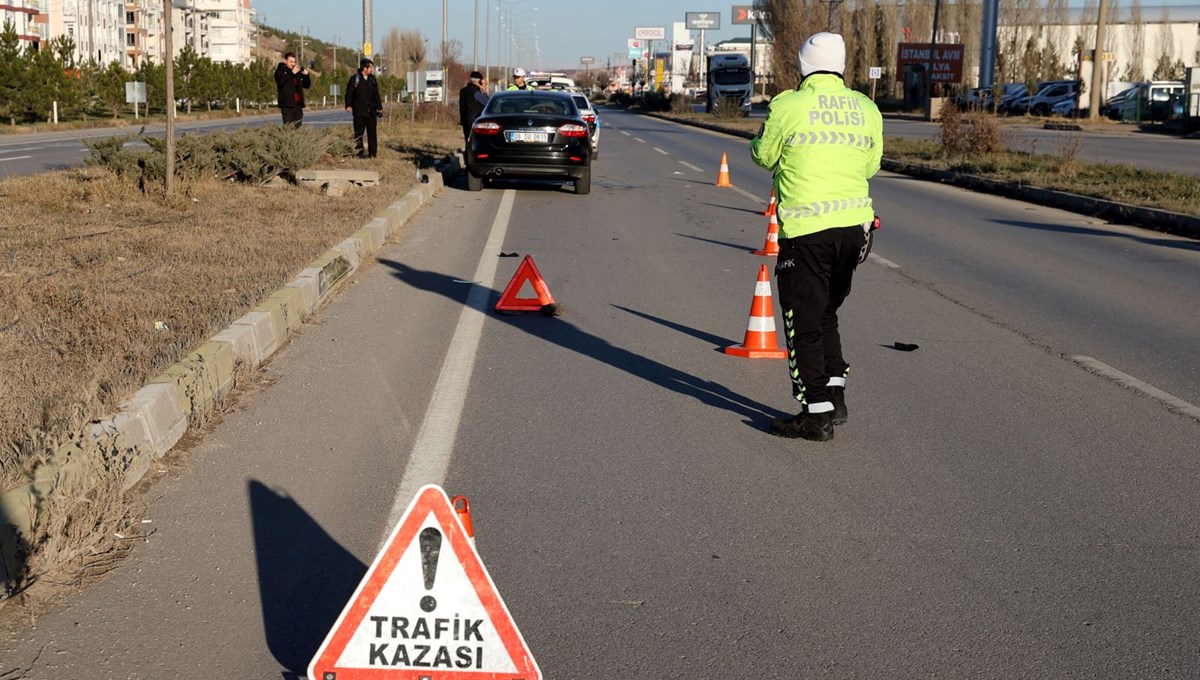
(823, 142)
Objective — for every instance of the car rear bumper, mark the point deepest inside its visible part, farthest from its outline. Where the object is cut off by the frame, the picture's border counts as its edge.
(498, 166)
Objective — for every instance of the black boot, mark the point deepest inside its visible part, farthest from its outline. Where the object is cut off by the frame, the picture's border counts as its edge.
(817, 427)
(840, 414)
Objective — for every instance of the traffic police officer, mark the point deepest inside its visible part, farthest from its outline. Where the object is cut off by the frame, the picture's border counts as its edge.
(823, 141)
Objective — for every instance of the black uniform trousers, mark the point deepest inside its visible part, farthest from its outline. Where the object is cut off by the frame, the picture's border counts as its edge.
(814, 272)
(365, 125)
(292, 115)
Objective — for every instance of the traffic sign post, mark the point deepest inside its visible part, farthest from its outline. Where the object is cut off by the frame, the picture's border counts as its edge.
(426, 609)
(876, 73)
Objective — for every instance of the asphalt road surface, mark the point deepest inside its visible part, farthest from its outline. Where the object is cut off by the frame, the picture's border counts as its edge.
(1006, 501)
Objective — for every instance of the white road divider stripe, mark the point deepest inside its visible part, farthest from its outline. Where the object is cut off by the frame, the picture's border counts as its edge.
(689, 166)
(434, 445)
(14, 158)
(882, 261)
(626, 133)
(661, 151)
(1103, 370)
(747, 194)
(639, 139)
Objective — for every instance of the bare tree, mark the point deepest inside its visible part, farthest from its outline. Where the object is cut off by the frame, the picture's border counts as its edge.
(1167, 66)
(404, 51)
(1135, 39)
(790, 23)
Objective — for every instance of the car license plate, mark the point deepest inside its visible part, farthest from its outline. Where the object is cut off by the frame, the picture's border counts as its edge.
(536, 137)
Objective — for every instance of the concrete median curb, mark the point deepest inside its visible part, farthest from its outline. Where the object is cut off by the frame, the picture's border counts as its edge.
(1148, 218)
(155, 418)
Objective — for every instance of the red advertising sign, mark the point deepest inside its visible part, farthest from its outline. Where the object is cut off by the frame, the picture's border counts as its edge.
(947, 61)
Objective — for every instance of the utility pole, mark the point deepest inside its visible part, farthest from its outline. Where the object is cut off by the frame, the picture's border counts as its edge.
(170, 66)
(445, 42)
(987, 48)
(368, 30)
(303, 35)
(487, 46)
(1098, 64)
(475, 40)
(937, 11)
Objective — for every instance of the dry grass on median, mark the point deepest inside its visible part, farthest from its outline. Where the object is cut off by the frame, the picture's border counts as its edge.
(103, 286)
(1060, 169)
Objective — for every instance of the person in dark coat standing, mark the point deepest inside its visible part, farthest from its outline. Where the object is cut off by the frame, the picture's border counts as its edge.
(291, 80)
(471, 100)
(362, 100)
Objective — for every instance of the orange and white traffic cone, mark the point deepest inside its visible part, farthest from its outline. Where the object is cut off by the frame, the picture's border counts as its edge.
(771, 247)
(770, 211)
(760, 342)
(723, 176)
(464, 516)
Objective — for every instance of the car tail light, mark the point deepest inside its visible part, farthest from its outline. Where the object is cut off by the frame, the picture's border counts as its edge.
(573, 130)
(576, 159)
(482, 155)
(487, 127)
(589, 117)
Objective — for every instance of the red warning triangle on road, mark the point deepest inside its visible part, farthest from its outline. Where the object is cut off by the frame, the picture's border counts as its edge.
(427, 608)
(526, 273)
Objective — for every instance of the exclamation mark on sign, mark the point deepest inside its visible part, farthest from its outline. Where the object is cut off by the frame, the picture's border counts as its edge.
(431, 547)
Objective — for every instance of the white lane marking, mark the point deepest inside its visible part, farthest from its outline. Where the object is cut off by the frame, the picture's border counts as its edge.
(626, 133)
(434, 445)
(882, 261)
(639, 139)
(1172, 402)
(747, 194)
(661, 151)
(28, 148)
(14, 158)
(689, 166)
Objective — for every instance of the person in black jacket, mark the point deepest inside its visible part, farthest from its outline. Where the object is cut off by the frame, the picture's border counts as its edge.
(291, 81)
(362, 100)
(471, 100)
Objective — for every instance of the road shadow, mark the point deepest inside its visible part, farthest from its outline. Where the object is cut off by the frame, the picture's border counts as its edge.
(734, 208)
(719, 343)
(1193, 246)
(568, 336)
(736, 246)
(13, 553)
(305, 577)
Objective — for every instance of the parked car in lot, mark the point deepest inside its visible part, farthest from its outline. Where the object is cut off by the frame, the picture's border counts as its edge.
(1157, 102)
(532, 134)
(1114, 104)
(1064, 108)
(589, 115)
(1047, 96)
(1009, 93)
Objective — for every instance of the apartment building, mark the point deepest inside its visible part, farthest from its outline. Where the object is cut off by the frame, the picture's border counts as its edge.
(231, 30)
(97, 27)
(131, 31)
(29, 19)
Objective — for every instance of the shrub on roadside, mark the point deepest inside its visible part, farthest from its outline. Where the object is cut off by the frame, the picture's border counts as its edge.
(252, 155)
(969, 133)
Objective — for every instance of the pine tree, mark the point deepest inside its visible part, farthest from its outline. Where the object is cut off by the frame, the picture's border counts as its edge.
(15, 67)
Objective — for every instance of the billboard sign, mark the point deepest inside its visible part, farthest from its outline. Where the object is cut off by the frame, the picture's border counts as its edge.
(947, 61)
(650, 33)
(703, 21)
(587, 60)
(745, 15)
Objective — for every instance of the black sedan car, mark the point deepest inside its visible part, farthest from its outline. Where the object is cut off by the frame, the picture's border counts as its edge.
(532, 134)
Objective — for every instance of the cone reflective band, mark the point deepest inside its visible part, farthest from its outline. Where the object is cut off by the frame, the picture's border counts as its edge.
(770, 211)
(760, 342)
(462, 508)
(771, 247)
(723, 176)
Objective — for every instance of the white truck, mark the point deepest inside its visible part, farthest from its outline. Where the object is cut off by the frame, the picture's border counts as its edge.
(435, 86)
(728, 80)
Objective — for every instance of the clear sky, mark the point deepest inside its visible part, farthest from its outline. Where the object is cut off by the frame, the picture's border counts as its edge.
(565, 29)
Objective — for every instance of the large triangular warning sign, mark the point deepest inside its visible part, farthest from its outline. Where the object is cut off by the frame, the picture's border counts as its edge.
(510, 300)
(427, 608)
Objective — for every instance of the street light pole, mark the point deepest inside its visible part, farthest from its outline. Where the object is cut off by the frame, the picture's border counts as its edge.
(1098, 64)
(303, 35)
(169, 62)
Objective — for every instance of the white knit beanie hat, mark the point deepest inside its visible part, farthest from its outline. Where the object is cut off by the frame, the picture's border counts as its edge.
(822, 52)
